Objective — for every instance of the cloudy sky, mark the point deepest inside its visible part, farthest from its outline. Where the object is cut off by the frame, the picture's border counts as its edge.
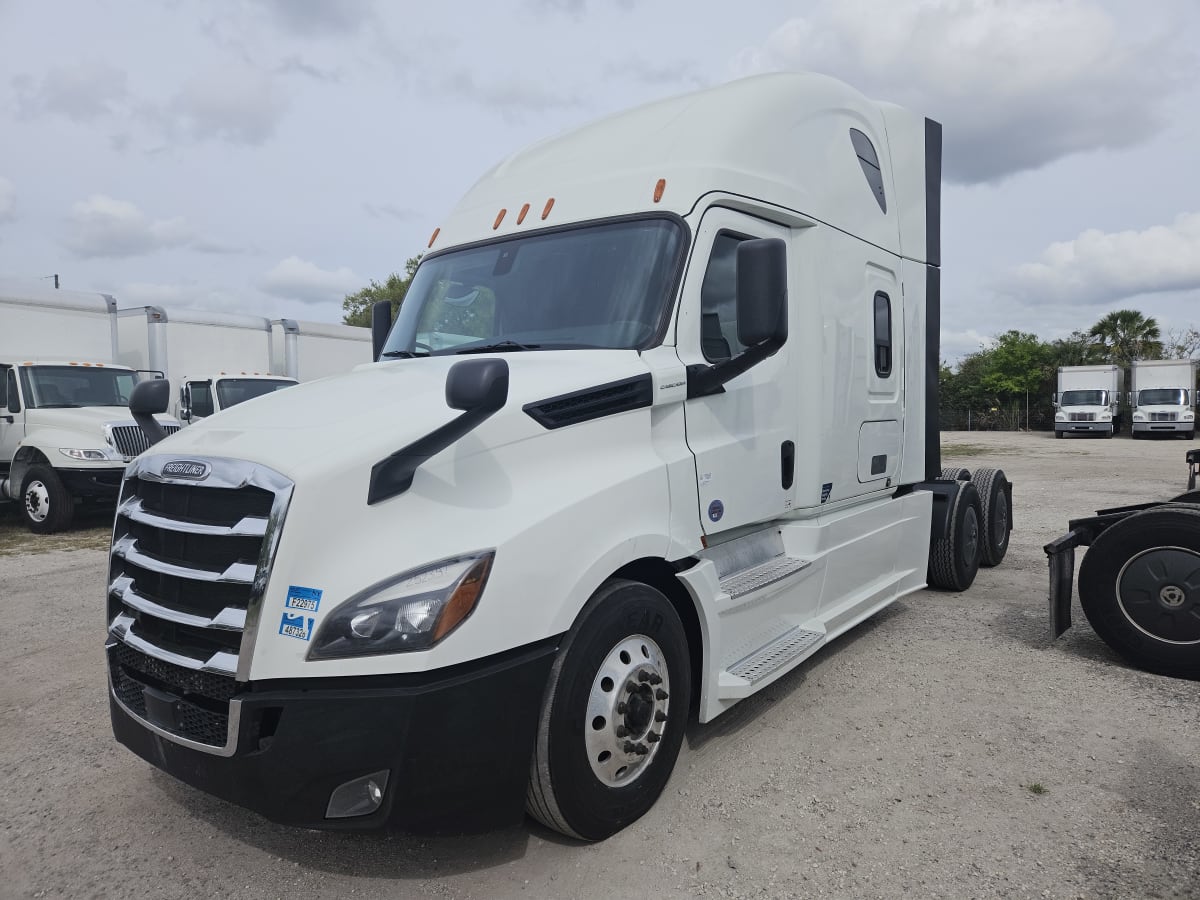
(270, 156)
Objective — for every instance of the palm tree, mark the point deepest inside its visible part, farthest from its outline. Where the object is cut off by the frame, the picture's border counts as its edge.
(1126, 335)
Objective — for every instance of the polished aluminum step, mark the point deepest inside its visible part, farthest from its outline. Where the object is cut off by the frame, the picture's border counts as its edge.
(735, 584)
(790, 645)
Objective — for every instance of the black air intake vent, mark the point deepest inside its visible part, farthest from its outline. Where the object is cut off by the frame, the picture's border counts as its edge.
(593, 403)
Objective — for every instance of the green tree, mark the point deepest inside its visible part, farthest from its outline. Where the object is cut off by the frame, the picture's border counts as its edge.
(356, 307)
(1016, 365)
(1079, 349)
(1126, 335)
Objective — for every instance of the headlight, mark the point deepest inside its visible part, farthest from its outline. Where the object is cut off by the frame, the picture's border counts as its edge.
(1060, 417)
(1105, 416)
(1139, 417)
(412, 611)
(83, 454)
(1188, 416)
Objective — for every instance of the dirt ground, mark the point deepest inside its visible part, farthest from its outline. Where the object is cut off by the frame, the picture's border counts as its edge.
(943, 749)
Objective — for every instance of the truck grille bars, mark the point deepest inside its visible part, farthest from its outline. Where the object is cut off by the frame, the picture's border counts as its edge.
(130, 440)
(187, 571)
(1081, 417)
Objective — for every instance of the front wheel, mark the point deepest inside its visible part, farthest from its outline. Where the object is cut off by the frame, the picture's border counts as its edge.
(45, 503)
(613, 716)
(1139, 586)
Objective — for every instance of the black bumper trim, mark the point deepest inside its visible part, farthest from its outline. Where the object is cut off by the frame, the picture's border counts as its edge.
(103, 483)
(457, 744)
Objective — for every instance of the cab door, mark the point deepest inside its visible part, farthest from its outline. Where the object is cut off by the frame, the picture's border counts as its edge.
(12, 419)
(743, 438)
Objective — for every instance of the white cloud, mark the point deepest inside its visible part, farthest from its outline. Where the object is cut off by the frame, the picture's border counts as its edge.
(82, 92)
(8, 200)
(512, 96)
(103, 226)
(1018, 84)
(320, 18)
(239, 104)
(298, 279)
(145, 293)
(1098, 267)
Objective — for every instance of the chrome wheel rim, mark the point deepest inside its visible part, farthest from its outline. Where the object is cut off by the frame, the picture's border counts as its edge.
(627, 711)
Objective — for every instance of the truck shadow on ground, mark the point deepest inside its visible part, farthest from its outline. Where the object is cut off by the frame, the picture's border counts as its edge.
(413, 856)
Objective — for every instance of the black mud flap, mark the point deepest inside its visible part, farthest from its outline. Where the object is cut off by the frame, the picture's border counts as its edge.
(1061, 555)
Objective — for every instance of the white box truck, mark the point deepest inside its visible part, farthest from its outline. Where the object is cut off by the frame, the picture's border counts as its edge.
(1163, 397)
(65, 429)
(1088, 400)
(306, 351)
(213, 360)
(656, 422)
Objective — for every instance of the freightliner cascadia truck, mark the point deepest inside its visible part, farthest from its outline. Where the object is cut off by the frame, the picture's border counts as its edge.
(656, 422)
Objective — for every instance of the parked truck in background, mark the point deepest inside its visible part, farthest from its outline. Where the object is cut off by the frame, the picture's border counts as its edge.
(1163, 397)
(65, 429)
(213, 360)
(656, 422)
(1088, 400)
(309, 350)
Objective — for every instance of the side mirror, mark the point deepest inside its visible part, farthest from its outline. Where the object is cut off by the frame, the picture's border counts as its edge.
(381, 324)
(762, 291)
(478, 384)
(147, 399)
(13, 401)
(1054, 400)
(185, 403)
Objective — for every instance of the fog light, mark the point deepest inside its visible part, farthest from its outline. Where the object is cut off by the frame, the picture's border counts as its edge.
(359, 797)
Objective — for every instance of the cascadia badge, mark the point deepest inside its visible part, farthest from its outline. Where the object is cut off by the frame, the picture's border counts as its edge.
(185, 468)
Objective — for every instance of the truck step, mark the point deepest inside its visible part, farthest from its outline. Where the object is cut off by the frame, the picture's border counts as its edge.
(790, 647)
(777, 568)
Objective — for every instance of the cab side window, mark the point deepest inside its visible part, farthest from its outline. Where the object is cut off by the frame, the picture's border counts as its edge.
(718, 300)
(883, 334)
(202, 404)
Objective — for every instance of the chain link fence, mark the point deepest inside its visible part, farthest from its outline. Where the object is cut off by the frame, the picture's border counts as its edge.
(1017, 416)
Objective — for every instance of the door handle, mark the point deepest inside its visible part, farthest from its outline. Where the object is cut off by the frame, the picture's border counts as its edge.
(787, 464)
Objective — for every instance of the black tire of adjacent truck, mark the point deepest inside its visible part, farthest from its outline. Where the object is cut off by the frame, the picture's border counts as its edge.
(613, 715)
(1059, 434)
(994, 491)
(45, 504)
(1189, 435)
(954, 559)
(956, 473)
(1139, 586)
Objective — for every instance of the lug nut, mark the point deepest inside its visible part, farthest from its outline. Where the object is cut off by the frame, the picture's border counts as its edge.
(621, 709)
(661, 694)
(629, 747)
(655, 678)
(644, 675)
(641, 749)
(660, 716)
(653, 738)
(631, 687)
(622, 731)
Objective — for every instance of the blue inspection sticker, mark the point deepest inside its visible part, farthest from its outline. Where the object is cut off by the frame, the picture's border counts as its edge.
(307, 599)
(296, 625)
(716, 509)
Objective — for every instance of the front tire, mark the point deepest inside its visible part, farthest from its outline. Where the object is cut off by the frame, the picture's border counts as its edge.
(1139, 586)
(45, 503)
(614, 714)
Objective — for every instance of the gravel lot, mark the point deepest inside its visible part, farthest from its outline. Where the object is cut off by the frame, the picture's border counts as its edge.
(897, 762)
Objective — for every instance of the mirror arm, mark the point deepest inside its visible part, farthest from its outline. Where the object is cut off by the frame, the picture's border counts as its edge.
(704, 380)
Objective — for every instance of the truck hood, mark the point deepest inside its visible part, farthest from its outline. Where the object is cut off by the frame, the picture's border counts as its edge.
(359, 418)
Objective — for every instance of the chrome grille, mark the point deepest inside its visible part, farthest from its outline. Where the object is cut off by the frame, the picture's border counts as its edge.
(130, 440)
(1082, 417)
(187, 570)
(1164, 417)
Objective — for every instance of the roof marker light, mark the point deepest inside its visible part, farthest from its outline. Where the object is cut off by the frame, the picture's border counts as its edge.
(499, 218)
(659, 188)
(549, 206)
(433, 237)
(523, 213)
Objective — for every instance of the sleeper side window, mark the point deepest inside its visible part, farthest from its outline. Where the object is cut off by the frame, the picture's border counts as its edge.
(883, 334)
(718, 300)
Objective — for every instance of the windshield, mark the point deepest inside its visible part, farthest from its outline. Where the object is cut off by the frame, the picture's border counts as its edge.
(232, 391)
(70, 387)
(1162, 397)
(596, 286)
(1084, 398)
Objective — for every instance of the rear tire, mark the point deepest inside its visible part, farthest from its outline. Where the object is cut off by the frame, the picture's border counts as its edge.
(954, 559)
(45, 504)
(994, 493)
(614, 714)
(1139, 586)
(955, 473)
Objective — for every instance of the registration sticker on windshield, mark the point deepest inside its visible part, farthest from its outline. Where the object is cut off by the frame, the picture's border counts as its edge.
(296, 625)
(305, 598)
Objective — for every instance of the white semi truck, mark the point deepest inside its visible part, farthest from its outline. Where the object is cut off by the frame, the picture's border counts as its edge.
(213, 360)
(1163, 397)
(1088, 400)
(65, 429)
(656, 422)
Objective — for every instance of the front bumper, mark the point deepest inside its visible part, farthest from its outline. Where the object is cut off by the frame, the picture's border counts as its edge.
(1083, 427)
(1163, 427)
(103, 484)
(456, 743)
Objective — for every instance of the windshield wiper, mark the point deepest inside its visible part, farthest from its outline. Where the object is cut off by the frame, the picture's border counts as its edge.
(402, 354)
(499, 346)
